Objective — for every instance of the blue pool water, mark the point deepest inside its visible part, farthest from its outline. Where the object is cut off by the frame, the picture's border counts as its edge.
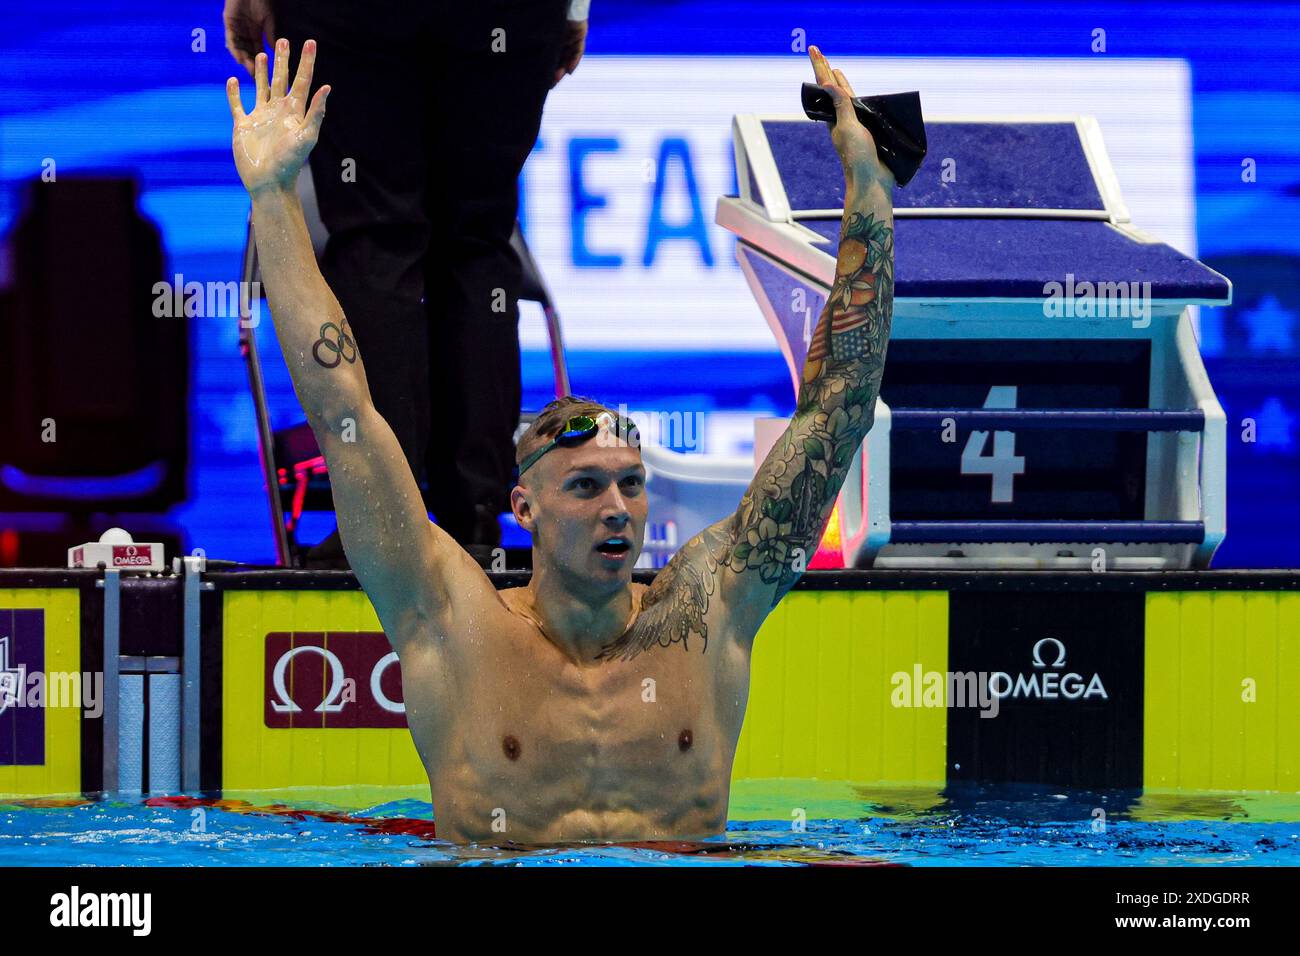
(774, 823)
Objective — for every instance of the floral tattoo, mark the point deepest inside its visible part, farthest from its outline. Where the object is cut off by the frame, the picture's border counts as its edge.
(783, 514)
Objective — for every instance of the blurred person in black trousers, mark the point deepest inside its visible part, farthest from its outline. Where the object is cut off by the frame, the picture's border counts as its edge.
(416, 174)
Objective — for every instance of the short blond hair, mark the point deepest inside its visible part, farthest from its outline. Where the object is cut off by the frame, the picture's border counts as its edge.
(550, 422)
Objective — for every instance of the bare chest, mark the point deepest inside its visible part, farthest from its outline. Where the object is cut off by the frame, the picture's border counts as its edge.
(654, 712)
(623, 747)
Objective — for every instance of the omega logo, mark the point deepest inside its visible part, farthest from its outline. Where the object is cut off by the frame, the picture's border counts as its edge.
(332, 703)
(343, 684)
(1045, 683)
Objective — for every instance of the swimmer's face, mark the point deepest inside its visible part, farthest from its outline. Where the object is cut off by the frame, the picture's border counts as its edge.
(574, 500)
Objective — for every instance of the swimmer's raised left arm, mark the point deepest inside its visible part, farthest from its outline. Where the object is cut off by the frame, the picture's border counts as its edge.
(751, 559)
(779, 524)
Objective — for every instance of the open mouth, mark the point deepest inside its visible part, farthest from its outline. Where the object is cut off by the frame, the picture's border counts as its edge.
(614, 547)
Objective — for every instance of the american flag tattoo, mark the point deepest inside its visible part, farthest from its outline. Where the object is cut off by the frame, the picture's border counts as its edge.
(865, 265)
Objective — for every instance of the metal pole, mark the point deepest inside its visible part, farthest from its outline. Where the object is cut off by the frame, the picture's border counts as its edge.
(112, 585)
(191, 677)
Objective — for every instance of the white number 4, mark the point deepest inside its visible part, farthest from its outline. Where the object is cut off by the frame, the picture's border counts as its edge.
(1004, 464)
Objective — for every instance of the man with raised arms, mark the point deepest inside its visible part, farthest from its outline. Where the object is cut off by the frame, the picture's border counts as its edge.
(581, 707)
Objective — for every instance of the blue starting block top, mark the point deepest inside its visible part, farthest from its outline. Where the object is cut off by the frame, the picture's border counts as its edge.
(937, 258)
(1000, 209)
(1002, 440)
(967, 166)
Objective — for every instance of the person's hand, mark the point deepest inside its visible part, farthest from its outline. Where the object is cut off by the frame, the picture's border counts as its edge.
(853, 141)
(575, 41)
(247, 21)
(271, 142)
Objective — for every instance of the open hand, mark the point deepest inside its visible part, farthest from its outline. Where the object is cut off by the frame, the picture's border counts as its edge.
(271, 142)
(853, 141)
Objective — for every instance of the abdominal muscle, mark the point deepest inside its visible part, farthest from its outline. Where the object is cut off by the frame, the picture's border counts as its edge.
(554, 818)
(574, 777)
(525, 747)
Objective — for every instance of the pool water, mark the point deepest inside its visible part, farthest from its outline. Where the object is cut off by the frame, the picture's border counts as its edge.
(773, 823)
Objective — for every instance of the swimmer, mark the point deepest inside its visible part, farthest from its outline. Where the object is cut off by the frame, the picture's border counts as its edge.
(582, 706)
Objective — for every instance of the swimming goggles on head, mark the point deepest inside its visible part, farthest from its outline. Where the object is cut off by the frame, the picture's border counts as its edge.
(581, 428)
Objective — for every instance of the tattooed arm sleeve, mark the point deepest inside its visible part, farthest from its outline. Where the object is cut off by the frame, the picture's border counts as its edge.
(783, 514)
(749, 560)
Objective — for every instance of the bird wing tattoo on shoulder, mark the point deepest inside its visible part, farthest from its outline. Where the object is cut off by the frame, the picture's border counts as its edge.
(676, 605)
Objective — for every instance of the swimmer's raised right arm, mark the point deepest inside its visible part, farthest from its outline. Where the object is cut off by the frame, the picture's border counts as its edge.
(408, 566)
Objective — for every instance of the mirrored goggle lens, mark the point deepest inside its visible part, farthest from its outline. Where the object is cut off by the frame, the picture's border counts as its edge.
(577, 429)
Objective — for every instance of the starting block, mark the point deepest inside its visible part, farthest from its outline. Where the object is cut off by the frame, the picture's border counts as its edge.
(1044, 403)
